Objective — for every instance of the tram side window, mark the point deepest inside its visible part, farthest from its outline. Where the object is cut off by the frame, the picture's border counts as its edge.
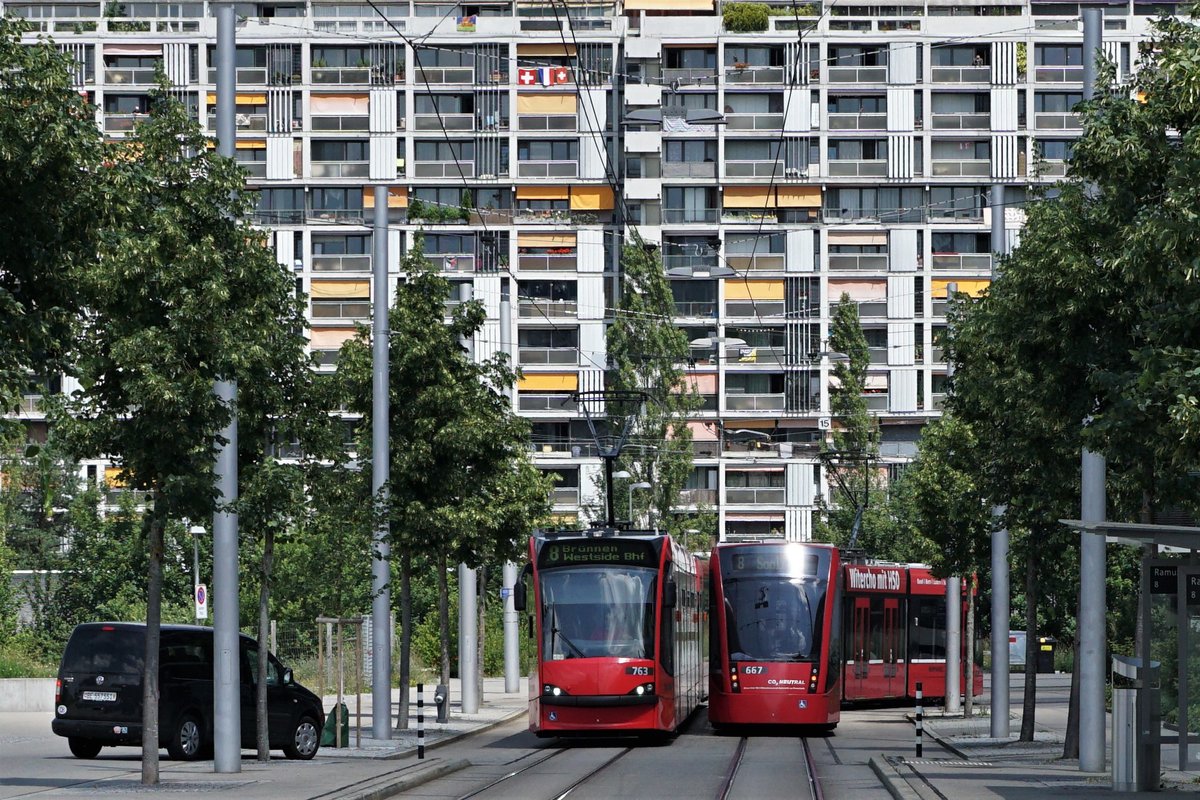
(668, 628)
(876, 636)
(927, 634)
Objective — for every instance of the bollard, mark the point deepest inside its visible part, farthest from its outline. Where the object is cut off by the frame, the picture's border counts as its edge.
(420, 721)
(920, 718)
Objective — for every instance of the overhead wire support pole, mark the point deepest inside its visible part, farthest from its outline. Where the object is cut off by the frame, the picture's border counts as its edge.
(512, 644)
(953, 699)
(1000, 575)
(227, 707)
(381, 600)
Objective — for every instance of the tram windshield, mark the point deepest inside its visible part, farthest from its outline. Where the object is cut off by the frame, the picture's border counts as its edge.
(773, 618)
(598, 611)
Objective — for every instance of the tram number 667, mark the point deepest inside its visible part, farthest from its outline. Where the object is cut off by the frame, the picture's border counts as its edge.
(760, 670)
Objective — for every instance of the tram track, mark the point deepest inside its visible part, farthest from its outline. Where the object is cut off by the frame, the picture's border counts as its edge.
(811, 781)
(558, 795)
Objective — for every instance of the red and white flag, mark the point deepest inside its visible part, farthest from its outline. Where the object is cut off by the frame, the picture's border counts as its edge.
(560, 75)
(527, 77)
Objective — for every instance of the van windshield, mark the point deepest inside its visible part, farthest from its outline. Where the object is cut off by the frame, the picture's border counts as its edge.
(96, 650)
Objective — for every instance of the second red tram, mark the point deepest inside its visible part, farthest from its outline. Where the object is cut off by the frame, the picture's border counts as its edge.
(620, 633)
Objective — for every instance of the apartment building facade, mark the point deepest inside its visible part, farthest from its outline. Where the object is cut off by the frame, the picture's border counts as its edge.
(844, 150)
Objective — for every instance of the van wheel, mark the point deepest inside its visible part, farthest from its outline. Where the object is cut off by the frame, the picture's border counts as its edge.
(305, 740)
(83, 748)
(187, 740)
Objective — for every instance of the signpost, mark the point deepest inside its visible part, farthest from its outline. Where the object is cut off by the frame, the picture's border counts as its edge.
(201, 601)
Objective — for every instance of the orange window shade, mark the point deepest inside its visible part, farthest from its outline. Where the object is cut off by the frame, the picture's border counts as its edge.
(341, 289)
(969, 288)
(547, 240)
(240, 99)
(858, 290)
(747, 197)
(546, 104)
(756, 424)
(556, 50)
(550, 382)
(798, 196)
(542, 192)
(397, 197)
(112, 476)
(340, 104)
(329, 338)
(738, 289)
(592, 198)
(668, 5)
(858, 237)
(251, 144)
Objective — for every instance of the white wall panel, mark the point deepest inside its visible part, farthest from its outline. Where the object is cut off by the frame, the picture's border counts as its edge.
(591, 297)
(801, 487)
(593, 157)
(797, 107)
(1004, 63)
(900, 108)
(593, 344)
(900, 156)
(280, 163)
(902, 63)
(901, 347)
(902, 250)
(593, 110)
(800, 250)
(900, 297)
(285, 249)
(383, 158)
(383, 110)
(176, 63)
(902, 391)
(797, 523)
(589, 250)
(1004, 109)
(1005, 156)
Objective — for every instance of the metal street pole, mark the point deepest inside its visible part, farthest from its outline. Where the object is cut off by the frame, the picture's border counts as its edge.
(1000, 583)
(468, 618)
(227, 706)
(1092, 569)
(953, 700)
(512, 645)
(381, 571)
(195, 576)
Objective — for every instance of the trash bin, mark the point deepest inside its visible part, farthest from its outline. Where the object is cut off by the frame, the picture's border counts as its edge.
(328, 733)
(1135, 719)
(1045, 655)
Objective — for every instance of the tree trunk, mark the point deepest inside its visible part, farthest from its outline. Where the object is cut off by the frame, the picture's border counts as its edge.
(969, 680)
(444, 618)
(150, 689)
(1071, 738)
(264, 641)
(1029, 706)
(405, 638)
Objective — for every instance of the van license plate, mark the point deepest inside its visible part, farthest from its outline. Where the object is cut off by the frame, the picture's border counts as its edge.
(106, 697)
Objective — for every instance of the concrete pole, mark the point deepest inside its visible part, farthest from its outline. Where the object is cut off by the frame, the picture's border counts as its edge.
(381, 571)
(227, 704)
(512, 650)
(953, 605)
(1000, 578)
(468, 640)
(1092, 570)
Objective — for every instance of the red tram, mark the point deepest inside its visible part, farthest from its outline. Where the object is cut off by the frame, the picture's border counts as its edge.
(775, 614)
(620, 632)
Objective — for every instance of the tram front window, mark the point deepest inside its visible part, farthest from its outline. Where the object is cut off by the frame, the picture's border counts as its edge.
(772, 619)
(594, 612)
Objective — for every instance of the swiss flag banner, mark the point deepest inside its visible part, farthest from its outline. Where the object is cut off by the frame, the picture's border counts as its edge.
(527, 77)
(560, 75)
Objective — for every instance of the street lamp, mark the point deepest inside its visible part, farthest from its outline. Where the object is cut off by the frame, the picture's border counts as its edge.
(632, 487)
(196, 531)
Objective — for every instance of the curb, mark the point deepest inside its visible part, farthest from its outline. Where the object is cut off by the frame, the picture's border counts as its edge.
(410, 781)
(445, 740)
(895, 783)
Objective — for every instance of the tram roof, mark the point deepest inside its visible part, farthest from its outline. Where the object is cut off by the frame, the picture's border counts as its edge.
(1136, 534)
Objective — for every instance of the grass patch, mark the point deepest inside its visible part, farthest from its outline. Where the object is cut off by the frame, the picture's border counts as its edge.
(16, 661)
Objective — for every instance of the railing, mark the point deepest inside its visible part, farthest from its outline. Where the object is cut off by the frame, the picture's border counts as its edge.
(244, 75)
(341, 169)
(547, 355)
(132, 75)
(751, 74)
(696, 308)
(877, 355)
(753, 402)
(347, 123)
(866, 262)
(754, 169)
(562, 447)
(876, 402)
(971, 168)
(754, 122)
(851, 168)
(556, 403)
(866, 308)
(755, 496)
(443, 169)
(962, 261)
(698, 497)
(754, 308)
(956, 122)
(279, 216)
(452, 122)
(244, 122)
(773, 262)
(341, 75)
(341, 263)
(545, 262)
(354, 215)
(326, 358)
(755, 354)
(446, 75)
(341, 309)
(548, 308)
(690, 76)
(565, 495)
(857, 122)
(547, 169)
(452, 262)
(1053, 169)
(873, 214)
(1058, 74)
(31, 404)
(254, 169)
(548, 122)
(1056, 122)
(962, 74)
(857, 75)
(689, 169)
(123, 122)
(684, 215)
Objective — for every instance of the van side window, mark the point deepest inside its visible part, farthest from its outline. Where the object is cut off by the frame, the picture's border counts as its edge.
(273, 677)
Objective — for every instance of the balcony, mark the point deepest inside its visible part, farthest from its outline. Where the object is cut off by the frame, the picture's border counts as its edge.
(1053, 169)
(547, 169)
(857, 75)
(548, 122)
(115, 123)
(1058, 74)
(857, 122)
(545, 262)
(452, 262)
(551, 309)
(452, 122)
(962, 75)
(753, 75)
(748, 309)
(754, 122)
(690, 76)
(254, 169)
(341, 309)
(341, 75)
(698, 497)
(962, 261)
(958, 122)
(755, 496)
(972, 168)
(866, 308)
(876, 402)
(341, 169)
(763, 355)
(545, 356)
(565, 495)
(342, 263)
(446, 75)
(855, 168)
(754, 402)
(243, 122)
(444, 169)
(861, 262)
(1056, 122)
(244, 76)
(689, 169)
(677, 216)
(755, 169)
(341, 123)
(552, 403)
(696, 309)
(138, 76)
(770, 262)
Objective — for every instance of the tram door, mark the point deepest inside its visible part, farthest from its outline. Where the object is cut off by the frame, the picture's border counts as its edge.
(892, 651)
(858, 653)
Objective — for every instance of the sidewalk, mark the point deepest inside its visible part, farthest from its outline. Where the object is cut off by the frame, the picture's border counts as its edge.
(1007, 769)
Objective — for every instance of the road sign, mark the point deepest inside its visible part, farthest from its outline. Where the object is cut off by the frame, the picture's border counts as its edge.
(505, 592)
(201, 601)
(824, 423)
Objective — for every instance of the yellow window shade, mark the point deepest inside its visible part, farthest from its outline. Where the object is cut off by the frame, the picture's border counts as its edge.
(548, 240)
(341, 289)
(969, 288)
(329, 338)
(668, 5)
(747, 197)
(550, 382)
(757, 424)
(240, 99)
(397, 197)
(592, 198)
(111, 476)
(542, 192)
(738, 289)
(251, 144)
(340, 104)
(557, 50)
(858, 237)
(861, 291)
(546, 104)
(798, 196)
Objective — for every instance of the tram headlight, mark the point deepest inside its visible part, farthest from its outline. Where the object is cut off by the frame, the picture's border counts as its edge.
(643, 689)
(552, 690)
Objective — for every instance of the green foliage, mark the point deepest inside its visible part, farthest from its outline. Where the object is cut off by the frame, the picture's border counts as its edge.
(432, 212)
(744, 17)
(20, 657)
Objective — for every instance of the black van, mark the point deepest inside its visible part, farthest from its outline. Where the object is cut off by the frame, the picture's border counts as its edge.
(98, 696)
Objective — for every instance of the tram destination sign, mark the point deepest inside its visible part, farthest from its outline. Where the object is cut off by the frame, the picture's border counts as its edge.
(1164, 580)
(580, 552)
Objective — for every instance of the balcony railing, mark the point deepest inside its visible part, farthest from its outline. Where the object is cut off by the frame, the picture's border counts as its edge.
(962, 261)
(244, 75)
(773, 262)
(565, 495)
(703, 309)
(754, 122)
(554, 403)
(123, 122)
(445, 75)
(686, 215)
(452, 122)
(857, 75)
(751, 74)
(547, 355)
(689, 169)
(548, 308)
(866, 262)
(866, 308)
(857, 122)
(754, 169)
(1058, 74)
(134, 75)
(341, 75)
(544, 262)
(753, 402)
(754, 308)
(877, 355)
(753, 496)
(243, 122)
(341, 309)
(850, 168)
(956, 122)
(755, 354)
(547, 169)
(1053, 169)
(548, 122)
(340, 123)
(962, 75)
(254, 169)
(341, 169)
(698, 497)
(341, 263)
(691, 76)
(1056, 122)
(443, 169)
(972, 168)
(452, 262)
(876, 402)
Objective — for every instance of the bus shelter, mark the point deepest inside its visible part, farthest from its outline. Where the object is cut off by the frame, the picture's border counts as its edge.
(1169, 603)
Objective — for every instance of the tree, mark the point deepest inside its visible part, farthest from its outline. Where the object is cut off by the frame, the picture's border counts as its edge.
(462, 487)
(185, 293)
(50, 152)
(646, 353)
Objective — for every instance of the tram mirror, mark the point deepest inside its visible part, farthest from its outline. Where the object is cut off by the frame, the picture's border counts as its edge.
(669, 595)
(518, 590)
